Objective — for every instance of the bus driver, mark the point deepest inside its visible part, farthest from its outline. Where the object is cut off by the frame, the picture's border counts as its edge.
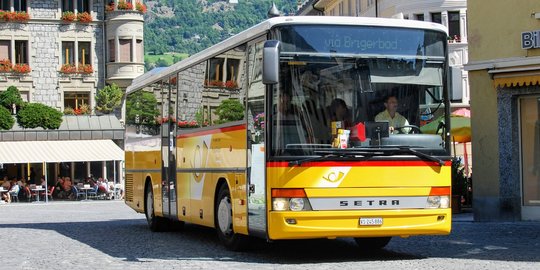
(395, 119)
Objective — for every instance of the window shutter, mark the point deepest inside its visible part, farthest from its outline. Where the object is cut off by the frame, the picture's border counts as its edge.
(125, 50)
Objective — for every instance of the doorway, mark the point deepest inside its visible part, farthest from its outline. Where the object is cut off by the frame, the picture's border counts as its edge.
(530, 156)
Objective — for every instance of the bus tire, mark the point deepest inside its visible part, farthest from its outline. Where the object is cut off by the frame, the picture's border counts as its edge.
(371, 244)
(223, 222)
(156, 224)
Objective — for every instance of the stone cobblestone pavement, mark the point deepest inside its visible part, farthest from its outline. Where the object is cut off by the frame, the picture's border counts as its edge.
(109, 235)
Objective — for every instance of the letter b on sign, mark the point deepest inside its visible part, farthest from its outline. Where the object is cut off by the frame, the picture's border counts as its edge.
(527, 40)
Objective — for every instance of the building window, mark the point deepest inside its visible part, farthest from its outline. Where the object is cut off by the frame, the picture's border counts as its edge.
(215, 72)
(5, 49)
(84, 53)
(341, 13)
(453, 24)
(72, 57)
(5, 5)
(125, 50)
(419, 17)
(140, 51)
(76, 99)
(68, 5)
(21, 52)
(436, 17)
(112, 54)
(68, 53)
(19, 5)
(78, 5)
(83, 6)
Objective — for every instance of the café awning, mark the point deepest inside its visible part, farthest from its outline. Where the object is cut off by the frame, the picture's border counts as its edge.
(59, 151)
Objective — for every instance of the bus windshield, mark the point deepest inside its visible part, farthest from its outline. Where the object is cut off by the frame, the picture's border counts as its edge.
(379, 85)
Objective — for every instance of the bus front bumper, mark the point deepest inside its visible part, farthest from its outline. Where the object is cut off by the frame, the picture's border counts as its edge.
(334, 224)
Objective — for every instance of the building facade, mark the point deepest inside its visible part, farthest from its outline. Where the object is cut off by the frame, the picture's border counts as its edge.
(62, 52)
(504, 71)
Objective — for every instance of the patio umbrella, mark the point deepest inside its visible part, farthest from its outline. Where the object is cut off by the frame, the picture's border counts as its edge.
(460, 128)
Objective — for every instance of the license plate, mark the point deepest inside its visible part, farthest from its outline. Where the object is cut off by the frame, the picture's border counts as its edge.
(371, 221)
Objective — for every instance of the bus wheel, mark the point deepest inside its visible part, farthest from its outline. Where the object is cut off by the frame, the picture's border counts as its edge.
(368, 244)
(156, 224)
(223, 220)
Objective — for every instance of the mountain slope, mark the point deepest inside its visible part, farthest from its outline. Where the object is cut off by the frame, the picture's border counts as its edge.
(189, 26)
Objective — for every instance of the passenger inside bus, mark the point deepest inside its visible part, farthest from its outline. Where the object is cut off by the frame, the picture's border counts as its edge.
(339, 111)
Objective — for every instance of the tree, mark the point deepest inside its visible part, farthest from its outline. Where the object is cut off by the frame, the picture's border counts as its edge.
(10, 97)
(109, 98)
(6, 120)
(141, 109)
(229, 110)
(35, 115)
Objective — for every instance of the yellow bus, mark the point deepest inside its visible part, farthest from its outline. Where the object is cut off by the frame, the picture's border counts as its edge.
(297, 128)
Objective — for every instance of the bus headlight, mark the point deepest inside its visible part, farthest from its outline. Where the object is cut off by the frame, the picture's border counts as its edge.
(296, 204)
(438, 202)
(280, 204)
(290, 199)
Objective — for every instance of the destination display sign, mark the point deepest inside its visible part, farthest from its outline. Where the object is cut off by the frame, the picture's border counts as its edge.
(361, 40)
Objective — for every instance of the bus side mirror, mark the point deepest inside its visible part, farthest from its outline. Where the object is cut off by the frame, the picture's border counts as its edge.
(271, 62)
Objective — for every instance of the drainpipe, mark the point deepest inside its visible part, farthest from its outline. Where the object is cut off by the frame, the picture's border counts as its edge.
(376, 8)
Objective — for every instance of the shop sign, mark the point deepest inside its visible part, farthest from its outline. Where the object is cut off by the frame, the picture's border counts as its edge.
(530, 40)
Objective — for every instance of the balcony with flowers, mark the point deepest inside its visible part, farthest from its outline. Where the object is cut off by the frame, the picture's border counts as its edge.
(71, 17)
(84, 72)
(124, 8)
(70, 69)
(14, 73)
(14, 16)
(21, 69)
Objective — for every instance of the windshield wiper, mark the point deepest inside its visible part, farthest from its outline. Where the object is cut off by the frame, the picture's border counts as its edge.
(397, 149)
(326, 154)
(419, 154)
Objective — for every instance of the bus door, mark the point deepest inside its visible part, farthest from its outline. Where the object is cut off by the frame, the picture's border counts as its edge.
(256, 184)
(168, 147)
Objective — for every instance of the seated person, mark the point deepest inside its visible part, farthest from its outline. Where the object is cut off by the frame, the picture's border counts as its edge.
(395, 119)
(340, 112)
(15, 188)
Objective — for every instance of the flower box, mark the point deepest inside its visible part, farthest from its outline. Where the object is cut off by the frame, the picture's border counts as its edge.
(140, 7)
(21, 68)
(68, 16)
(14, 16)
(123, 5)
(231, 84)
(109, 7)
(85, 69)
(68, 69)
(5, 65)
(84, 17)
(188, 124)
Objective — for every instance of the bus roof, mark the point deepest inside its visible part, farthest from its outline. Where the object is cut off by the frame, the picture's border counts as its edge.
(261, 28)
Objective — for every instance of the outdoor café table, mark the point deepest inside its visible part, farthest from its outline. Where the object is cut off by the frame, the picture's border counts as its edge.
(86, 189)
(38, 189)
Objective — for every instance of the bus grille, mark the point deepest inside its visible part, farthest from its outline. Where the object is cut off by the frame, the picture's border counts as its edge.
(129, 187)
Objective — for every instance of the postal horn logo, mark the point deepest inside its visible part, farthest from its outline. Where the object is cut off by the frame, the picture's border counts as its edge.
(333, 177)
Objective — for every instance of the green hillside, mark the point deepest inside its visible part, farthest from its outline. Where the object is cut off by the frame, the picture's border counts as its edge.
(189, 26)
